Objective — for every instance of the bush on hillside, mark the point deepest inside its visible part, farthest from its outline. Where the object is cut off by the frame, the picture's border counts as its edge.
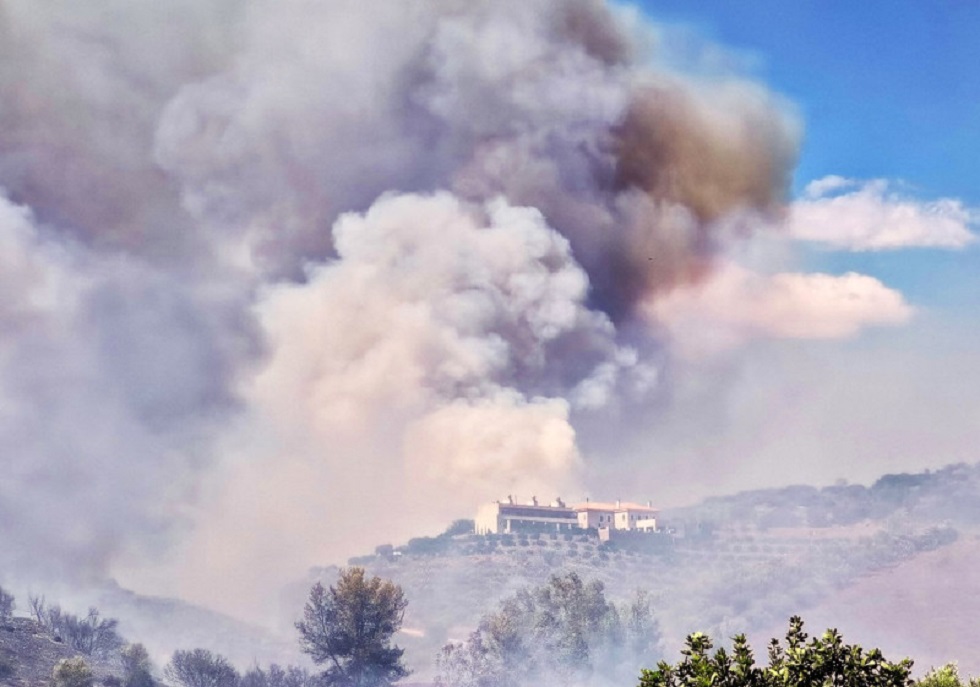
(73, 672)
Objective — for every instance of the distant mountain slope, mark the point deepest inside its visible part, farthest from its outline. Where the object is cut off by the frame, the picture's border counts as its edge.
(165, 624)
(927, 607)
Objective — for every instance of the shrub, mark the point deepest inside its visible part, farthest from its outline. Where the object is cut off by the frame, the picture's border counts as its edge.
(73, 672)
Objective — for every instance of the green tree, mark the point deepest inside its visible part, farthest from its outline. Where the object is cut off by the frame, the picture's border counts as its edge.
(73, 672)
(348, 628)
(824, 661)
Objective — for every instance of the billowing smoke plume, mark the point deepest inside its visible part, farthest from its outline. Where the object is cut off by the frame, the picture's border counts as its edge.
(299, 275)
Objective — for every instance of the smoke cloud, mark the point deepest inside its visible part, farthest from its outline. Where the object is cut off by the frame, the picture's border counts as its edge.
(284, 279)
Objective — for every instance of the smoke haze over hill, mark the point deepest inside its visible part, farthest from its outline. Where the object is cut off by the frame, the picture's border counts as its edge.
(282, 278)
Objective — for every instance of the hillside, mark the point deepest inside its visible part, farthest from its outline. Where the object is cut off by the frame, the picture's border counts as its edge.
(165, 624)
(890, 564)
(742, 563)
(32, 653)
(926, 607)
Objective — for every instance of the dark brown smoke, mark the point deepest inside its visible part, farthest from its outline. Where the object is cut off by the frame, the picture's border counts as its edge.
(589, 23)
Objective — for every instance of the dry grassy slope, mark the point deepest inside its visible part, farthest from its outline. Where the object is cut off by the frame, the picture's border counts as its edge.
(34, 654)
(927, 608)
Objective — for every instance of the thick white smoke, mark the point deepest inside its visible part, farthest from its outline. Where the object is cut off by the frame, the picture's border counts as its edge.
(282, 279)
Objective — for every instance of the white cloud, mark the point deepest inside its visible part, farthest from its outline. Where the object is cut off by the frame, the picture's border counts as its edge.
(870, 215)
(737, 304)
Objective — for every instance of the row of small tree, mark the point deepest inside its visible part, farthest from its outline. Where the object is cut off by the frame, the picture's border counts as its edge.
(202, 668)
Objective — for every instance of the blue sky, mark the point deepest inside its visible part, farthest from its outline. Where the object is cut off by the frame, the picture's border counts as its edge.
(885, 90)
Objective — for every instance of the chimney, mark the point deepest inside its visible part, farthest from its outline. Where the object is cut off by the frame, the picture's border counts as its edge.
(649, 504)
(618, 504)
(534, 500)
(510, 499)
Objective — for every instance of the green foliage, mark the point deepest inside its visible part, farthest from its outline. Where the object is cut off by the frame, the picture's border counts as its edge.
(73, 672)
(821, 661)
(200, 668)
(563, 631)
(349, 627)
(946, 676)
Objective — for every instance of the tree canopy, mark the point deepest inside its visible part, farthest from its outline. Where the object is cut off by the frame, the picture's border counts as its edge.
(348, 629)
(824, 661)
(563, 630)
(200, 668)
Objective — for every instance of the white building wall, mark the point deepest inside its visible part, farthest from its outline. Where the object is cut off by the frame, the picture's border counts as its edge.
(646, 524)
(487, 519)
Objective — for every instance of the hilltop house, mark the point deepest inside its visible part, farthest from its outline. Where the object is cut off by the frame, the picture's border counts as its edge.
(508, 516)
(622, 515)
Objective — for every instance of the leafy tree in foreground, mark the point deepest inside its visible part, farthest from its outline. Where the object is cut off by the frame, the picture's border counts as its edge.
(348, 629)
(200, 668)
(824, 661)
